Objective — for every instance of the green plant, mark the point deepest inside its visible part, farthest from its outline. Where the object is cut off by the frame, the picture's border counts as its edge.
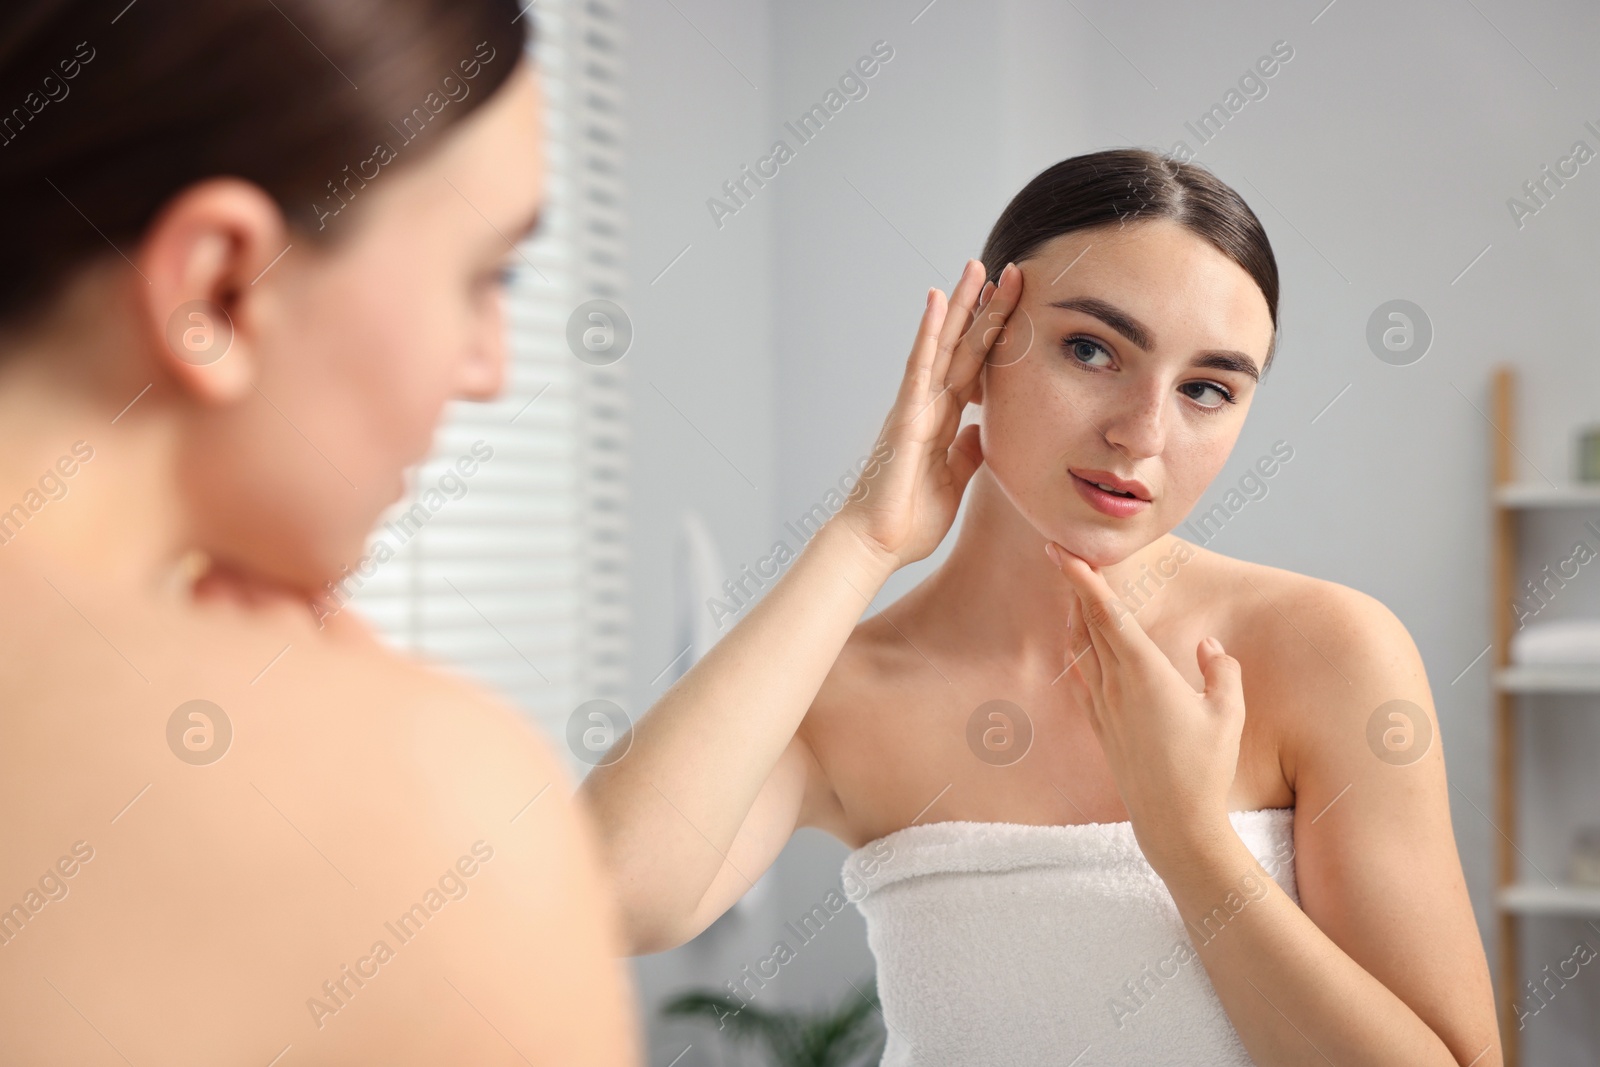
(834, 1038)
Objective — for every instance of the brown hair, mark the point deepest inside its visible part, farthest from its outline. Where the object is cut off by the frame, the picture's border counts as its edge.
(1130, 185)
(109, 109)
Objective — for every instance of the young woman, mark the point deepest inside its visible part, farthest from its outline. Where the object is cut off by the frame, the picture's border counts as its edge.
(1049, 768)
(236, 301)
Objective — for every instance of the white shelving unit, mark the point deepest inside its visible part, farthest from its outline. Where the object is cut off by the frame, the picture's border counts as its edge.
(1522, 686)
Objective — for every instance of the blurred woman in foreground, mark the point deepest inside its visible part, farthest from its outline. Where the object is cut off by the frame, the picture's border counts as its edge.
(253, 249)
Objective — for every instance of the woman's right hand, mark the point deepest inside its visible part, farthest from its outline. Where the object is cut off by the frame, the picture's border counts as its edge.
(904, 507)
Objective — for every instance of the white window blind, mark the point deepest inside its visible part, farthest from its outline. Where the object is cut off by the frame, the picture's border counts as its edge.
(515, 574)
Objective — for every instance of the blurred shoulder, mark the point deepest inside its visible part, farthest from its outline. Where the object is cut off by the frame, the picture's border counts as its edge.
(331, 787)
(461, 733)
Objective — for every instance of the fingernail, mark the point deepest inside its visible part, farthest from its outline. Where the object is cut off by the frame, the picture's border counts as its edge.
(1213, 644)
(1009, 268)
(930, 297)
(1054, 553)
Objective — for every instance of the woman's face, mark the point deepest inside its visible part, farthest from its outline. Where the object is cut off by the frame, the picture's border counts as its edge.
(1133, 353)
(357, 346)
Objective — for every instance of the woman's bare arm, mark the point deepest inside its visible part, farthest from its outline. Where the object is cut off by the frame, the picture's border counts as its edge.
(671, 809)
(715, 775)
(1381, 962)
(1384, 964)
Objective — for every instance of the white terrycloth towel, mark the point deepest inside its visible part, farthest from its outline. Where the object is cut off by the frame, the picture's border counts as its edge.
(1557, 641)
(1004, 943)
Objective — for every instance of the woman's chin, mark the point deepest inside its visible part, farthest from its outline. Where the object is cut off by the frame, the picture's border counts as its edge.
(1099, 549)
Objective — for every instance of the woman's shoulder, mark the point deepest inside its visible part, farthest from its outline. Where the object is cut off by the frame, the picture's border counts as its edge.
(882, 673)
(339, 665)
(311, 786)
(254, 693)
(1274, 598)
(1327, 655)
(225, 704)
(447, 729)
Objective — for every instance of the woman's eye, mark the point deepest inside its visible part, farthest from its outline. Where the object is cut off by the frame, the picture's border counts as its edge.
(497, 280)
(1222, 395)
(1082, 349)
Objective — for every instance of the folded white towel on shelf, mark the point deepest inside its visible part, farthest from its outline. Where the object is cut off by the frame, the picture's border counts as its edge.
(1574, 641)
(1003, 943)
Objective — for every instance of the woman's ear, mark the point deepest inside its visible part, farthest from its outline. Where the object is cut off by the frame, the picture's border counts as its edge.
(201, 258)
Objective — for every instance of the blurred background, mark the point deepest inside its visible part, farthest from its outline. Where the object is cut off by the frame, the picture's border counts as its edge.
(1419, 172)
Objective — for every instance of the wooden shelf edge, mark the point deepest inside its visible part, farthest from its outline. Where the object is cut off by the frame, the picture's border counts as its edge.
(1534, 495)
(1548, 678)
(1528, 898)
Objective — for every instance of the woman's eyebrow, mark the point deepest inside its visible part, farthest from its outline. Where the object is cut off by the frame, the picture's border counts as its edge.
(1140, 335)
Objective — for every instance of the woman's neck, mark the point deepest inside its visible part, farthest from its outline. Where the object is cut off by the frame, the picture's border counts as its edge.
(88, 480)
(1016, 602)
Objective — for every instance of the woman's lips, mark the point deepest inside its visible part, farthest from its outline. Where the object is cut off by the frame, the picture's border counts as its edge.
(1118, 507)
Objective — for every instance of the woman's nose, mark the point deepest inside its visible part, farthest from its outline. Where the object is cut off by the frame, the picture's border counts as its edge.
(483, 371)
(1137, 426)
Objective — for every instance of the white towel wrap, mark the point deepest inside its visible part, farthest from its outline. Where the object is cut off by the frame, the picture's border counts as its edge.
(1006, 943)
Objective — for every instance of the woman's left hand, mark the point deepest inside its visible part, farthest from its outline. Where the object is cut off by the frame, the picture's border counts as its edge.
(1172, 751)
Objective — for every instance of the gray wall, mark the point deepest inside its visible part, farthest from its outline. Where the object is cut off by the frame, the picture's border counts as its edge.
(1380, 160)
